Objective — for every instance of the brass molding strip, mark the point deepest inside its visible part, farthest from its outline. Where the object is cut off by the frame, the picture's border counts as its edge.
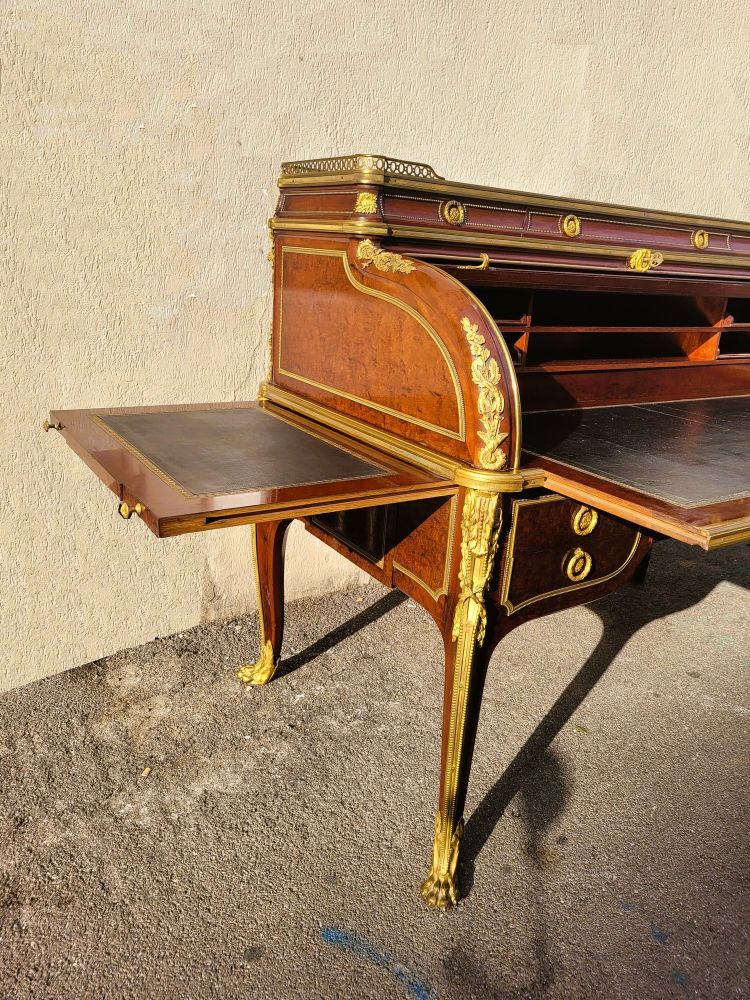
(510, 559)
(458, 435)
(408, 451)
(728, 532)
(351, 227)
(495, 239)
(440, 186)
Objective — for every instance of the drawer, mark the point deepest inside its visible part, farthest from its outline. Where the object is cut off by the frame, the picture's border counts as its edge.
(556, 545)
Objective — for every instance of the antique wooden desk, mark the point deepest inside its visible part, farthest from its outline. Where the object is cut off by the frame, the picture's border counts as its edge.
(494, 401)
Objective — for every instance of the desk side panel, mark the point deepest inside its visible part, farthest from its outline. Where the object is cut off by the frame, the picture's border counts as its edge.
(397, 344)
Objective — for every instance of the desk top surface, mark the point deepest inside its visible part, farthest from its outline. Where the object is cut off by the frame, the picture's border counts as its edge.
(218, 452)
(692, 453)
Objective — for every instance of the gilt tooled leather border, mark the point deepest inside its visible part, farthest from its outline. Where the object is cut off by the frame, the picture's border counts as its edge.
(99, 420)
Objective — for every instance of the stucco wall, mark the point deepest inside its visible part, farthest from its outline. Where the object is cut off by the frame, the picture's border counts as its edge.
(141, 143)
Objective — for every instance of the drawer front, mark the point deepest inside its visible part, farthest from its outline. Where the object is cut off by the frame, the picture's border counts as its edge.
(556, 545)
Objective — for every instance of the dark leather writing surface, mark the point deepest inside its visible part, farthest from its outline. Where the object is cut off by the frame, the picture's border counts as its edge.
(216, 451)
(690, 453)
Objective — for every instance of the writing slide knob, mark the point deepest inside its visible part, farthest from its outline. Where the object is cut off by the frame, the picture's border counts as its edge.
(126, 511)
(47, 426)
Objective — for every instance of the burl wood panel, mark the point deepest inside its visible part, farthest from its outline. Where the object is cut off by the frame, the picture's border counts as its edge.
(423, 542)
(337, 336)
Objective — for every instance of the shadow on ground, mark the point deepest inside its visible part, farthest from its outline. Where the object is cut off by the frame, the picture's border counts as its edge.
(169, 833)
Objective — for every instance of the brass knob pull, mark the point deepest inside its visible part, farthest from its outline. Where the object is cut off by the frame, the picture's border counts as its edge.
(453, 212)
(584, 520)
(126, 511)
(47, 426)
(699, 239)
(570, 226)
(577, 565)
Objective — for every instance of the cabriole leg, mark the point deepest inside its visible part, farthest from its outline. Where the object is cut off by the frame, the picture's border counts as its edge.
(267, 542)
(466, 661)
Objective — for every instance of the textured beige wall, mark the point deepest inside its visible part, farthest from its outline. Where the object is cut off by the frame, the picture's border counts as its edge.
(141, 142)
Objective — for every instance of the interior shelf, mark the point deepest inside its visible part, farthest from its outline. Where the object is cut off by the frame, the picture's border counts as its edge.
(544, 327)
(608, 364)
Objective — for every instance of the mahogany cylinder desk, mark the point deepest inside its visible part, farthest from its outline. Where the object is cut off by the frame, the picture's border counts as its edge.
(494, 401)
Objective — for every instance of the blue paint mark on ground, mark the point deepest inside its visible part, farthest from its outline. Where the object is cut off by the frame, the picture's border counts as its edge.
(626, 906)
(658, 935)
(348, 941)
(677, 977)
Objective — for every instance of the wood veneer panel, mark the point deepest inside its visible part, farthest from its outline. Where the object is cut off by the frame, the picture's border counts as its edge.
(364, 348)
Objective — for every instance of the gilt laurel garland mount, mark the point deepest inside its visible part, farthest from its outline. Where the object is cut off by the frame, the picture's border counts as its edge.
(491, 403)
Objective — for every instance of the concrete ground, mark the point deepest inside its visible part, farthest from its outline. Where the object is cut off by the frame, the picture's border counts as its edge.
(276, 847)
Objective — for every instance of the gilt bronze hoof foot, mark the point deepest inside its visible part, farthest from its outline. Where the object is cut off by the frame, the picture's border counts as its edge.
(440, 888)
(262, 671)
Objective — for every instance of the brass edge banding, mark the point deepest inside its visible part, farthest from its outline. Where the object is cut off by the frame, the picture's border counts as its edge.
(727, 533)
(495, 239)
(460, 434)
(447, 561)
(426, 458)
(499, 482)
(510, 547)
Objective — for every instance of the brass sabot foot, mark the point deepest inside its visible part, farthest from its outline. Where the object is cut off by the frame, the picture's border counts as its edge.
(440, 888)
(262, 671)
